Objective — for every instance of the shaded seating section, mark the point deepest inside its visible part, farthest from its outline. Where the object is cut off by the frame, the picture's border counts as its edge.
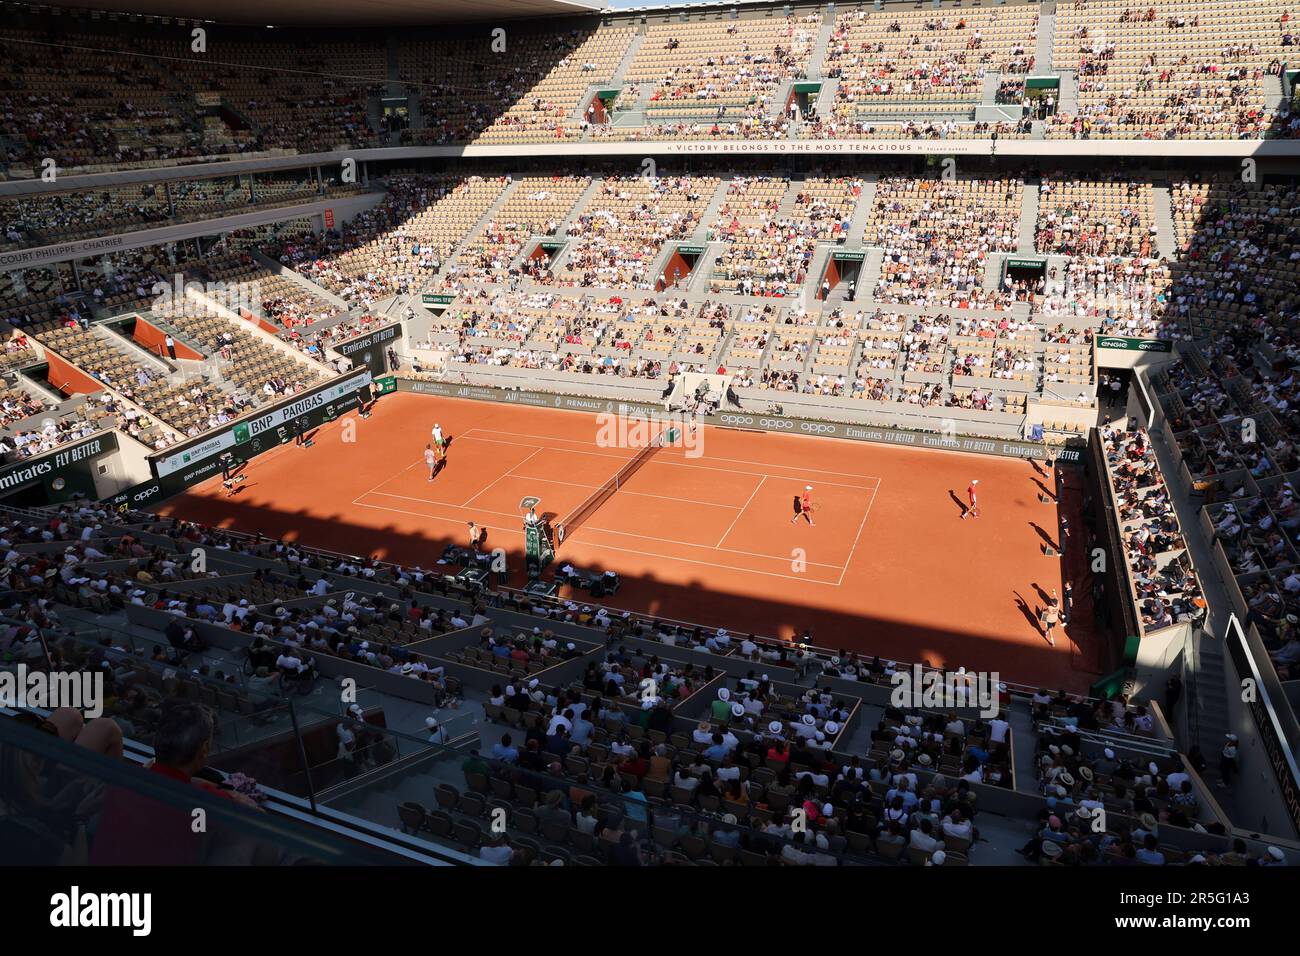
(398, 245)
(1165, 586)
(1095, 217)
(468, 91)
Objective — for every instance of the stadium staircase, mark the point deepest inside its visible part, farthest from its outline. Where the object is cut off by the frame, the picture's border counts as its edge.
(1028, 220)
(1043, 46)
(1166, 241)
(993, 271)
(1069, 99)
(1274, 93)
(871, 271)
(817, 58)
(137, 352)
(989, 92)
(710, 215)
(561, 231)
(862, 213)
(625, 64)
(616, 78)
(825, 105)
(472, 233)
(777, 107)
(704, 268)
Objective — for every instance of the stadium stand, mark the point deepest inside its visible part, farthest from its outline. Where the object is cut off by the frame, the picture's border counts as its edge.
(1001, 296)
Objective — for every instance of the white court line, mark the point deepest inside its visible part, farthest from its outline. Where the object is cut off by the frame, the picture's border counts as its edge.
(743, 509)
(647, 554)
(495, 441)
(762, 476)
(739, 461)
(504, 474)
(430, 501)
(853, 550)
(421, 514)
(638, 494)
(713, 564)
(726, 471)
(705, 547)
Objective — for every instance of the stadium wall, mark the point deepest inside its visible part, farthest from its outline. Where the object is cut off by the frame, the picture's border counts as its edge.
(1268, 787)
(1120, 609)
(61, 474)
(755, 421)
(344, 208)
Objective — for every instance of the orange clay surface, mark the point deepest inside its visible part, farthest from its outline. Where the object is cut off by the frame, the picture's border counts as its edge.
(704, 534)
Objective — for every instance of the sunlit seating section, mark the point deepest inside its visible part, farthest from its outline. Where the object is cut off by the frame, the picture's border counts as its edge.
(403, 242)
(937, 235)
(717, 67)
(618, 235)
(551, 108)
(1161, 69)
(1114, 295)
(536, 206)
(893, 60)
(770, 254)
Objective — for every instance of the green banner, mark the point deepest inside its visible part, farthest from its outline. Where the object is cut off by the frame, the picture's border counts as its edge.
(62, 471)
(691, 250)
(385, 384)
(1026, 263)
(430, 298)
(841, 256)
(1121, 343)
(1043, 83)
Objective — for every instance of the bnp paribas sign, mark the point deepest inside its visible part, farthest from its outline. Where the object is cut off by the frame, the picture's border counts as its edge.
(1133, 345)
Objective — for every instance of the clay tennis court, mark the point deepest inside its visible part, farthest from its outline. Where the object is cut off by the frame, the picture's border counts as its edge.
(703, 534)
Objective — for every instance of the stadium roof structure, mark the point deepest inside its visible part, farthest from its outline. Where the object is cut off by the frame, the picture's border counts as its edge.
(339, 12)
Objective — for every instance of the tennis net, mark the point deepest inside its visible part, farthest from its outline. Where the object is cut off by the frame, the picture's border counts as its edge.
(602, 494)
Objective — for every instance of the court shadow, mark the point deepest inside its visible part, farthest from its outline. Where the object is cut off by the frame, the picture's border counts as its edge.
(961, 505)
(773, 613)
(1047, 539)
(1028, 612)
(1043, 488)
